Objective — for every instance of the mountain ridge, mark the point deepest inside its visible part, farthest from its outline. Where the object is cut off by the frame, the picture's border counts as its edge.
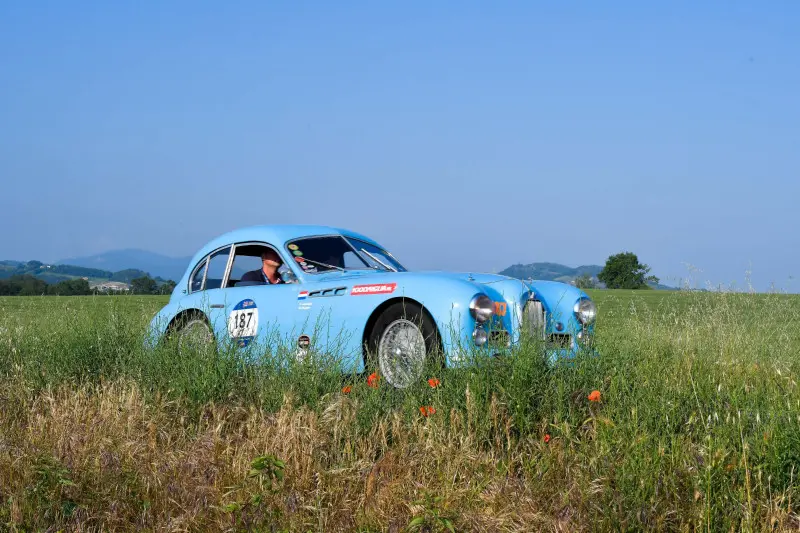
(157, 265)
(52, 274)
(550, 271)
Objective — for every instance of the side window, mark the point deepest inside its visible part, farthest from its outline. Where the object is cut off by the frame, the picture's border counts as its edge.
(196, 284)
(247, 258)
(216, 268)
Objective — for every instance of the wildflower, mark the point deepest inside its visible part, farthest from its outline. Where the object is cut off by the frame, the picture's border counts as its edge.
(373, 379)
(426, 410)
(547, 438)
(433, 382)
(347, 389)
(594, 396)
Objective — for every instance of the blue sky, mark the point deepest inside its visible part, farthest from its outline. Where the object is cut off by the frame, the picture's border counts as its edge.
(461, 135)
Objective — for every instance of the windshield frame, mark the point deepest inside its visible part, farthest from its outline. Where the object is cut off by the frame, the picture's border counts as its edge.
(397, 265)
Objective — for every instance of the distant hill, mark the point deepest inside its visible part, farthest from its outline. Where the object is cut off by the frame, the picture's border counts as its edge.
(57, 273)
(115, 260)
(550, 271)
(565, 274)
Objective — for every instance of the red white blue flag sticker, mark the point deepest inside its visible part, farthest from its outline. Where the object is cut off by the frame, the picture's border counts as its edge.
(378, 288)
(302, 295)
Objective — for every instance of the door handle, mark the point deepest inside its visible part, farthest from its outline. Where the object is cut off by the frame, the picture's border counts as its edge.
(217, 306)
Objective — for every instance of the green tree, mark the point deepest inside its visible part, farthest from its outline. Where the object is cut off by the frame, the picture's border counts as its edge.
(585, 281)
(167, 287)
(70, 287)
(25, 285)
(144, 285)
(624, 271)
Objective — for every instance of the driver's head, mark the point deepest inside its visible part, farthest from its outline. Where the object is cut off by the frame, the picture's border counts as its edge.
(270, 257)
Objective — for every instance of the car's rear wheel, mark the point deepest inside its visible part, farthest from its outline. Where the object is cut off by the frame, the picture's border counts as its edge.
(194, 334)
(402, 341)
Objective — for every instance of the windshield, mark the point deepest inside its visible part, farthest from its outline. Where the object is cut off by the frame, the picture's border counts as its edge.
(335, 253)
(375, 256)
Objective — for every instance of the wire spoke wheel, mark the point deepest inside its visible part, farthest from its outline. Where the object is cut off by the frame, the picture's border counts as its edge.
(401, 353)
(195, 336)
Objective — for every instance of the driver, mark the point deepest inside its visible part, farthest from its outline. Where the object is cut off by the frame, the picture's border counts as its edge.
(268, 273)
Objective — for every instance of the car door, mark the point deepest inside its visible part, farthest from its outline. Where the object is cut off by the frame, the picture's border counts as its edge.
(260, 315)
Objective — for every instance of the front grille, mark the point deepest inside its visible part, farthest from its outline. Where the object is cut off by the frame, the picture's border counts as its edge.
(534, 319)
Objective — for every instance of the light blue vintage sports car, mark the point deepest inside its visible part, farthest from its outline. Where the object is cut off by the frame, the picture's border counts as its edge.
(343, 293)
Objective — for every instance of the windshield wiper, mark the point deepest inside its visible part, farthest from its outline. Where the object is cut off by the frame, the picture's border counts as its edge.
(384, 265)
(320, 263)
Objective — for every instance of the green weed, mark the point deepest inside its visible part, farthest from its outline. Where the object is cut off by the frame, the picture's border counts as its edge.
(697, 427)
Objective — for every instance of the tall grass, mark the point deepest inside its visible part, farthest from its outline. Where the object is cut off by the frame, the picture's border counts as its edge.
(697, 427)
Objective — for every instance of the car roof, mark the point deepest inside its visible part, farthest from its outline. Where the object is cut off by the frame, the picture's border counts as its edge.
(274, 234)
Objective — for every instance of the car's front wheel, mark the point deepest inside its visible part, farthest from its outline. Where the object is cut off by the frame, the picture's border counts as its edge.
(402, 340)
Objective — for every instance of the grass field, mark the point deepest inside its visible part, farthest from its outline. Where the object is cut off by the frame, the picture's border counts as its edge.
(697, 427)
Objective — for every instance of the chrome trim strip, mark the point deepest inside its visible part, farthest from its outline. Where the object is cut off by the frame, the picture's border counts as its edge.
(204, 263)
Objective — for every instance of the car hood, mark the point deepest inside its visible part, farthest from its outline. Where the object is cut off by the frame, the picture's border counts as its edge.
(512, 290)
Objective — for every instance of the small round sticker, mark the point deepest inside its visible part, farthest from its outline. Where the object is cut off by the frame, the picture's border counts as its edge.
(302, 347)
(298, 253)
(292, 247)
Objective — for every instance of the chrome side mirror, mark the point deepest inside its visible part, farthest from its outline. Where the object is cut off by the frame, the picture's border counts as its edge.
(287, 275)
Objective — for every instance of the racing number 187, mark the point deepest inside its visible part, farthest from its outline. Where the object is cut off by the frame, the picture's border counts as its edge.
(242, 320)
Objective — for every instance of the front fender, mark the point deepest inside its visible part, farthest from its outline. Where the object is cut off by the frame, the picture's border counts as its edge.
(447, 301)
(559, 300)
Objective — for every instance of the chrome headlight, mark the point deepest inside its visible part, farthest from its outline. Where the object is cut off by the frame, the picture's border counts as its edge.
(585, 311)
(479, 336)
(481, 307)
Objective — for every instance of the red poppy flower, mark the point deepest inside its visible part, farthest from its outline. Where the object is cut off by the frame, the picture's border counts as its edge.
(594, 396)
(347, 389)
(373, 379)
(426, 410)
(433, 382)
(547, 438)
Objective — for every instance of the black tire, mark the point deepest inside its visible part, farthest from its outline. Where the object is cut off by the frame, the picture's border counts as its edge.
(185, 324)
(406, 312)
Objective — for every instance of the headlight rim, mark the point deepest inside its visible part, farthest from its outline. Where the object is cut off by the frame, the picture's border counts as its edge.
(481, 314)
(579, 312)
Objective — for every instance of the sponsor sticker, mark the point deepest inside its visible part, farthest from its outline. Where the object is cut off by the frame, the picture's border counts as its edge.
(500, 308)
(298, 253)
(299, 259)
(378, 288)
(292, 247)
